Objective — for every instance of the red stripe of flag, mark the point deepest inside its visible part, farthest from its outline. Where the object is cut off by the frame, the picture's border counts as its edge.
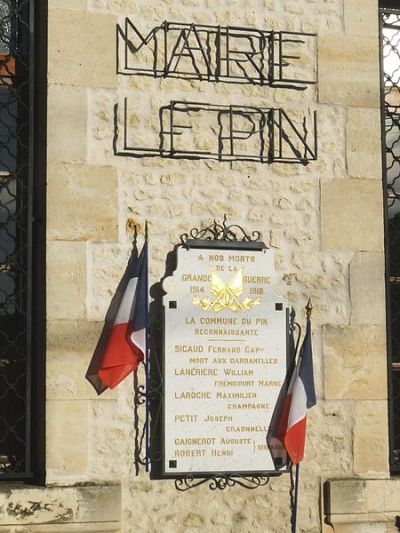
(302, 392)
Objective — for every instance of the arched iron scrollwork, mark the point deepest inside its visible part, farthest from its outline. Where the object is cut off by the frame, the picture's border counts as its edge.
(139, 432)
(144, 455)
(221, 482)
(221, 232)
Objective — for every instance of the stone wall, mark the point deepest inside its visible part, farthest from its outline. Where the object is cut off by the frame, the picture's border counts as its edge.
(324, 222)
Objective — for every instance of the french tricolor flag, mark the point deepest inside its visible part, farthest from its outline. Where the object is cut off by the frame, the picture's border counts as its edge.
(299, 398)
(122, 343)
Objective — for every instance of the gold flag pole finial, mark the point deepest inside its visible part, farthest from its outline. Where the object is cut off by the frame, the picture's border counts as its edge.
(309, 309)
(146, 230)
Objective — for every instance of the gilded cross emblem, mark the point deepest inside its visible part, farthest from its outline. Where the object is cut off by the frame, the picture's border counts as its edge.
(226, 295)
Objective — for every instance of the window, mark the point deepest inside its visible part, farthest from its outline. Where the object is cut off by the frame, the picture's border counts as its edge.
(22, 150)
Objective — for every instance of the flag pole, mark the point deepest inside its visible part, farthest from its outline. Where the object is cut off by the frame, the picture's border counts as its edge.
(296, 499)
(309, 309)
(134, 243)
(147, 362)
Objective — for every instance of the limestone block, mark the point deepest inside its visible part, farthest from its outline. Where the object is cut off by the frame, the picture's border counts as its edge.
(364, 523)
(361, 18)
(391, 493)
(66, 280)
(348, 69)
(66, 438)
(355, 362)
(345, 496)
(99, 504)
(69, 4)
(359, 505)
(352, 215)
(72, 335)
(367, 288)
(82, 48)
(57, 509)
(65, 378)
(82, 202)
(109, 424)
(67, 123)
(363, 143)
(96, 527)
(70, 346)
(371, 448)
(108, 265)
(65, 373)
(329, 450)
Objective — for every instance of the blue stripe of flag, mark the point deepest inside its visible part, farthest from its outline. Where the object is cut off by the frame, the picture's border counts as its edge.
(306, 367)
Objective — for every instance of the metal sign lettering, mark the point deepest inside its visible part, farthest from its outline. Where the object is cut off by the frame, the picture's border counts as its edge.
(228, 54)
(219, 54)
(232, 133)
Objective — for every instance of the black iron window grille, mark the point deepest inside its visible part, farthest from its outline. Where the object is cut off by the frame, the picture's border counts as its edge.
(390, 33)
(20, 422)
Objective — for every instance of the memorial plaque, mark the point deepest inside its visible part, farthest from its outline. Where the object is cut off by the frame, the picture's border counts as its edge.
(225, 360)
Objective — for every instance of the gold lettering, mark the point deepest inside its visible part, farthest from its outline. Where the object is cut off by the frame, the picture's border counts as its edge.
(246, 429)
(257, 280)
(250, 349)
(265, 383)
(190, 395)
(196, 277)
(195, 441)
(252, 361)
(218, 418)
(235, 395)
(222, 453)
(185, 418)
(196, 372)
(236, 441)
(188, 348)
(225, 331)
(227, 383)
(190, 453)
(242, 258)
(198, 360)
(223, 349)
(242, 372)
(248, 406)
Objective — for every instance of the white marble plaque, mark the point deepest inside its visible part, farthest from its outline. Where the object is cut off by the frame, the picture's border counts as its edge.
(225, 360)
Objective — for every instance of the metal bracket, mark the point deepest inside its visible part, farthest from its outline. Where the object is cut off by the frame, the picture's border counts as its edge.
(221, 482)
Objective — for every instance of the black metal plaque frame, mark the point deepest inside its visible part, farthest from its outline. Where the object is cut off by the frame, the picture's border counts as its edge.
(222, 236)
